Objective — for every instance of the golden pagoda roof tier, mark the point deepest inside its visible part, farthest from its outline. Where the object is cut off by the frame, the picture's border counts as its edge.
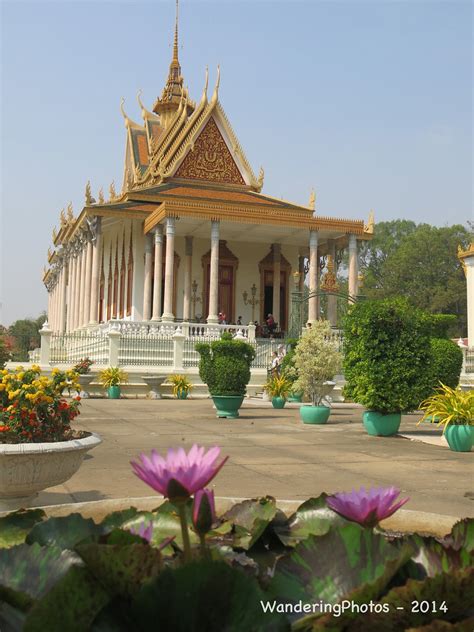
(469, 252)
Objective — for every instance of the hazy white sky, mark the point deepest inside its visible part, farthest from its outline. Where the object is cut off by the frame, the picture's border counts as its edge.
(370, 102)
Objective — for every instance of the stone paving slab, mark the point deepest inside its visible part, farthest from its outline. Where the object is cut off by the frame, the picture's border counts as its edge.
(271, 452)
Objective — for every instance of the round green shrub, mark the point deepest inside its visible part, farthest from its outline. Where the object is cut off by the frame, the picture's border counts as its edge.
(387, 355)
(225, 365)
(446, 362)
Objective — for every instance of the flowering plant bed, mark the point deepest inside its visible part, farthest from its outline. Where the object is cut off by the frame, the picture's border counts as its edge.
(181, 568)
(83, 367)
(32, 408)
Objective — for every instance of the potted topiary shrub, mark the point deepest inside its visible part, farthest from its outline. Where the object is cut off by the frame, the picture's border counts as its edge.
(38, 447)
(181, 385)
(453, 409)
(111, 379)
(316, 362)
(278, 388)
(386, 361)
(225, 367)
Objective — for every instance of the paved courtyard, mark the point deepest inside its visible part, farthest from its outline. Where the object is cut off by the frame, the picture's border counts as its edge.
(271, 452)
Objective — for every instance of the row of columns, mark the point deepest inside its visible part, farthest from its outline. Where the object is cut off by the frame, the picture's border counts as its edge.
(154, 274)
(314, 281)
(74, 297)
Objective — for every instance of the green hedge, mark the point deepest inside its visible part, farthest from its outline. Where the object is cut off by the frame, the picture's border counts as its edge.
(446, 362)
(225, 365)
(387, 355)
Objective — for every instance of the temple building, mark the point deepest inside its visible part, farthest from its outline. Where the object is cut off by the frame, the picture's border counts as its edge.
(189, 237)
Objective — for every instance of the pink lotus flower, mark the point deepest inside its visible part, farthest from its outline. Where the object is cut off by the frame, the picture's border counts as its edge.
(144, 531)
(369, 507)
(180, 475)
(204, 511)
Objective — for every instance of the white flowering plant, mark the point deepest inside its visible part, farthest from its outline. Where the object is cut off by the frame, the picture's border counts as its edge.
(316, 361)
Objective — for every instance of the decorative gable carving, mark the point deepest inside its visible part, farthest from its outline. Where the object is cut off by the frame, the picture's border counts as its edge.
(210, 159)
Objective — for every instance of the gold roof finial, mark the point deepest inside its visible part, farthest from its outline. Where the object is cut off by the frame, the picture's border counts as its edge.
(54, 234)
(101, 196)
(312, 199)
(49, 253)
(261, 177)
(215, 94)
(88, 193)
(70, 214)
(369, 228)
(112, 192)
(62, 217)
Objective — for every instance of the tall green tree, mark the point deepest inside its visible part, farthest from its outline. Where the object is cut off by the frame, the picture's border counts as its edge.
(25, 335)
(419, 262)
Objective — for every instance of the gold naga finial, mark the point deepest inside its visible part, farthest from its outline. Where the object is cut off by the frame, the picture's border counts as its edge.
(49, 253)
(215, 94)
(88, 193)
(101, 196)
(312, 200)
(261, 177)
(112, 192)
(369, 228)
(62, 217)
(204, 92)
(54, 234)
(70, 214)
(137, 173)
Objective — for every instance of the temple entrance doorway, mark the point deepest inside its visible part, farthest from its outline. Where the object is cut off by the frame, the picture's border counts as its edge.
(268, 297)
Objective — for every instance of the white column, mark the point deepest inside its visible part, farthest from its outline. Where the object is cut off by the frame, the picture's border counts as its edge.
(56, 304)
(62, 304)
(188, 266)
(158, 273)
(95, 272)
(169, 269)
(82, 282)
(68, 291)
(276, 283)
(148, 277)
(77, 290)
(353, 267)
(469, 261)
(332, 298)
(214, 274)
(313, 276)
(72, 293)
(53, 307)
(87, 284)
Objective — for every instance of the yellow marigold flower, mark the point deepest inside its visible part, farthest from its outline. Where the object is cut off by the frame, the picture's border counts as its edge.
(13, 394)
(55, 371)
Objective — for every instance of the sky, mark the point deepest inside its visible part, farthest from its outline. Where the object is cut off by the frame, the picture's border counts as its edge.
(368, 102)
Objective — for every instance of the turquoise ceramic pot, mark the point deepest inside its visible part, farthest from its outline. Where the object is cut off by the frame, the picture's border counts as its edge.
(182, 393)
(114, 392)
(228, 405)
(315, 414)
(295, 397)
(459, 438)
(380, 425)
(278, 402)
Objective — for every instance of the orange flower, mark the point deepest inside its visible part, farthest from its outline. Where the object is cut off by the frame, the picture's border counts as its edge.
(4, 428)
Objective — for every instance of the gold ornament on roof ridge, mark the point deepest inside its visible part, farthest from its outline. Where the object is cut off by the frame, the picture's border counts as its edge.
(62, 218)
(112, 191)
(88, 193)
(312, 200)
(101, 196)
(70, 214)
(369, 227)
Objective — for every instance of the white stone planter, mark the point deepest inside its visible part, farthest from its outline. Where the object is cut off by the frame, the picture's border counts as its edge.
(28, 468)
(85, 380)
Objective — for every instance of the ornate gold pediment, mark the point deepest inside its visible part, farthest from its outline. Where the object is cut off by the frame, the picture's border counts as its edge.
(210, 159)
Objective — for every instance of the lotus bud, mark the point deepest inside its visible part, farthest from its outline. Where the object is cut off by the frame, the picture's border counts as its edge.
(204, 512)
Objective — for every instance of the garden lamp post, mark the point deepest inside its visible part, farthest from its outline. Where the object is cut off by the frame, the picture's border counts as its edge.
(251, 301)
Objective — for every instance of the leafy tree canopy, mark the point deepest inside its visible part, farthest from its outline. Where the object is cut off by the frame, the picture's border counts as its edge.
(25, 336)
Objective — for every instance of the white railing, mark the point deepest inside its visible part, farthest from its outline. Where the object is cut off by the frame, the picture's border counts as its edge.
(191, 330)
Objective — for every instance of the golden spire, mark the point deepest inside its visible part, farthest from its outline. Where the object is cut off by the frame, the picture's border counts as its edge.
(168, 103)
(88, 193)
(369, 228)
(175, 61)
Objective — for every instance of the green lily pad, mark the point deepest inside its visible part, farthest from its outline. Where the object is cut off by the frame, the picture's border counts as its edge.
(64, 532)
(207, 596)
(165, 525)
(121, 568)
(72, 604)
(250, 519)
(117, 518)
(28, 572)
(448, 597)
(462, 535)
(331, 566)
(313, 517)
(15, 526)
